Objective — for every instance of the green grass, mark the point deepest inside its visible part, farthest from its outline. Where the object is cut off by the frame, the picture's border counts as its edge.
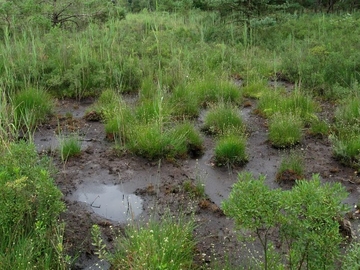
(285, 130)
(212, 90)
(297, 102)
(347, 149)
(164, 244)
(223, 118)
(31, 205)
(154, 141)
(292, 167)
(319, 128)
(184, 102)
(255, 89)
(69, 147)
(230, 151)
(32, 107)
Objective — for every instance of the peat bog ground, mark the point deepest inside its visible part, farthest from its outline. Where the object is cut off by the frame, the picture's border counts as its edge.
(103, 187)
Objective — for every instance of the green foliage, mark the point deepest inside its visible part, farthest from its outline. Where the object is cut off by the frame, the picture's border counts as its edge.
(8, 128)
(319, 128)
(184, 102)
(306, 217)
(347, 149)
(154, 141)
(231, 150)
(351, 259)
(255, 207)
(285, 130)
(312, 232)
(291, 167)
(346, 138)
(32, 107)
(255, 89)
(164, 244)
(297, 103)
(222, 118)
(213, 90)
(69, 147)
(31, 205)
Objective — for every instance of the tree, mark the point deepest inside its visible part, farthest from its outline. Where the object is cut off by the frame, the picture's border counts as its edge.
(306, 219)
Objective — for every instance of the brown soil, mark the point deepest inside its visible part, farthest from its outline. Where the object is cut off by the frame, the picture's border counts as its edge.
(159, 185)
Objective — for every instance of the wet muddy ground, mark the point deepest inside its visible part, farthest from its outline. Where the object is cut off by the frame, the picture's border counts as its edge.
(111, 189)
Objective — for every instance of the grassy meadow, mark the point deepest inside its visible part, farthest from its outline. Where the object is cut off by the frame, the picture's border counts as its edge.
(176, 65)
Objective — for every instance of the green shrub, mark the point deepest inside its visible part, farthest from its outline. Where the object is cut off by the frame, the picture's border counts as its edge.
(32, 107)
(285, 130)
(262, 210)
(223, 118)
(31, 204)
(230, 151)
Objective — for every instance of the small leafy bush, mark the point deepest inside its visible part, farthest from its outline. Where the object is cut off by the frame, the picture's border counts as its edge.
(31, 204)
(285, 130)
(307, 216)
(231, 150)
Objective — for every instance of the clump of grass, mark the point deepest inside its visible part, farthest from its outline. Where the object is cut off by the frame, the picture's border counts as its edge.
(347, 149)
(108, 104)
(196, 190)
(277, 101)
(32, 107)
(69, 147)
(346, 138)
(184, 102)
(222, 119)
(348, 113)
(319, 128)
(255, 89)
(285, 130)
(213, 90)
(230, 151)
(192, 138)
(156, 141)
(164, 244)
(291, 167)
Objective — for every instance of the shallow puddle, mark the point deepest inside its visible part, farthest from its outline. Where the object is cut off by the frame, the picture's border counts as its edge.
(109, 201)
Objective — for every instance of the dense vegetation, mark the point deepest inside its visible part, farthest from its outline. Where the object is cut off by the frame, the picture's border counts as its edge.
(177, 57)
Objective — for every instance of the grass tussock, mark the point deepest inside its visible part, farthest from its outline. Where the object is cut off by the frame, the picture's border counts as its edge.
(159, 244)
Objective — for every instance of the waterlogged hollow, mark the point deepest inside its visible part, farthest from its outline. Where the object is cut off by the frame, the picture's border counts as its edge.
(109, 201)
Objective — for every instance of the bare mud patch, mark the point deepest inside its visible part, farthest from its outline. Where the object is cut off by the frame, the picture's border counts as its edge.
(137, 188)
